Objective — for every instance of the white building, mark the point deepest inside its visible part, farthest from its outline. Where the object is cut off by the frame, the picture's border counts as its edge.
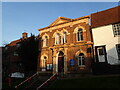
(106, 35)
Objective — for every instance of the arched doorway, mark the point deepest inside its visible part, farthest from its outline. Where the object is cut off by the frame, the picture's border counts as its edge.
(44, 63)
(61, 62)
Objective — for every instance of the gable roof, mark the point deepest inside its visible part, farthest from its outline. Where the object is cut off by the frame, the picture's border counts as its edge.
(63, 20)
(13, 43)
(60, 20)
(105, 17)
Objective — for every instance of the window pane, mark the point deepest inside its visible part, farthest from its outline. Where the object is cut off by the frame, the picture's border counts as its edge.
(45, 41)
(101, 51)
(64, 37)
(116, 29)
(57, 39)
(80, 35)
(118, 50)
(81, 60)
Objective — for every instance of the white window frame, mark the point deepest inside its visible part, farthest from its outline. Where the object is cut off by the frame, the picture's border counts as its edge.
(118, 50)
(80, 60)
(64, 38)
(80, 34)
(116, 29)
(57, 39)
(45, 41)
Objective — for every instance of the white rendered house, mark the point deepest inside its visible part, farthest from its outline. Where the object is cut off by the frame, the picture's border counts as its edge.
(106, 36)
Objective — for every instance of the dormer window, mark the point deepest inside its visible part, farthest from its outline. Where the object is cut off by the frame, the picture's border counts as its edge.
(80, 35)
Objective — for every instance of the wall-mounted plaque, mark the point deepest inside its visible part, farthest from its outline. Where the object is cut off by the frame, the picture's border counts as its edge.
(72, 62)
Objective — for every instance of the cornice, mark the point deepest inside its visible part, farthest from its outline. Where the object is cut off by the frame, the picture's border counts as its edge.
(72, 21)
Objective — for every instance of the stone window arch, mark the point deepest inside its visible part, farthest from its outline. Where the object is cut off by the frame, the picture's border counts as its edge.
(45, 41)
(45, 38)
(79, 33)
(64, 34)
(57, 36)
(81, 57)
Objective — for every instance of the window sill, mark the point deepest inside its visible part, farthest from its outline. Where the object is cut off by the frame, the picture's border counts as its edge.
(116, 35)
(81, 41)
(59, 44)
(45, 47)
(81, 66)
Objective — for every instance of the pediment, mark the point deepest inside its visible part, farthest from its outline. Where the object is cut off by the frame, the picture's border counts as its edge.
(60, 20)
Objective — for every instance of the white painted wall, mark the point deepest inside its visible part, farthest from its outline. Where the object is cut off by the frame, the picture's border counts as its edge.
(104, 36)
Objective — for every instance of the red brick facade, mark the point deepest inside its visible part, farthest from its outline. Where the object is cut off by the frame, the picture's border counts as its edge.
(71, 49)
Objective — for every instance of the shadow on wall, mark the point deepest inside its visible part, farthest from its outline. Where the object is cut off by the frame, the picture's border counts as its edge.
(112, 56)
(101, 68)
(75, 68)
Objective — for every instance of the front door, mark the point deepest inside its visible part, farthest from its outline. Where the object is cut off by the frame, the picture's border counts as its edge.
(101, 54)
(60, 64)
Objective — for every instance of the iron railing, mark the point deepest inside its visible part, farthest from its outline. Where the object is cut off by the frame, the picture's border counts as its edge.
(27, 80)
(51, 78)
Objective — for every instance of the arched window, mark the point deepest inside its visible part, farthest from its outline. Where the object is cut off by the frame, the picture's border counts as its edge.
(80, 35)
(81, 60)
(57, 38)
(45, 41)
(44, 63)
(64, 38)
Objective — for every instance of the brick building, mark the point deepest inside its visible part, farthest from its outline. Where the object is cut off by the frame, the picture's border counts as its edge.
(11, 61)
(66, 46)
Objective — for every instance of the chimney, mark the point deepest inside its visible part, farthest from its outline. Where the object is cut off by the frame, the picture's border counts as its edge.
(24, 35)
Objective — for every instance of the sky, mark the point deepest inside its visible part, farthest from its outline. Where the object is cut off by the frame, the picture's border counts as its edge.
(19, 17)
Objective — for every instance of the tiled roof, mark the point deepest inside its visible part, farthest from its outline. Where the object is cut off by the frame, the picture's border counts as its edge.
(105, 17)
(13, 43)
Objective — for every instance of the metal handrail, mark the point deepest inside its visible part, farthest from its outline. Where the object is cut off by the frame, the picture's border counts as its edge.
(46, 81)
(26, 80)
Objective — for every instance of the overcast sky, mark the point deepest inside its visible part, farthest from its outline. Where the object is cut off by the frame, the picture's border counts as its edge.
(18, 17)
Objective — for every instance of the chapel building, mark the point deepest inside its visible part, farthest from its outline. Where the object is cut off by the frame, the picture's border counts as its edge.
(66, 46)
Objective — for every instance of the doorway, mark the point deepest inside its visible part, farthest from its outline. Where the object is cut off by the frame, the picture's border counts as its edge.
(44, 63)
(61, 62)
(101, 53)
